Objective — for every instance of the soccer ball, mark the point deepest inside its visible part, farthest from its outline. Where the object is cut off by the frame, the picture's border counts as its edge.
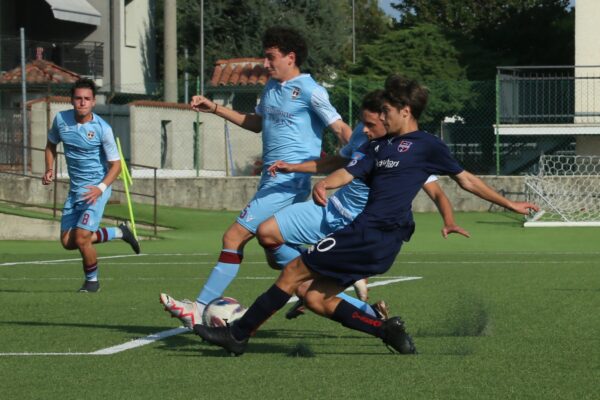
(221, 311)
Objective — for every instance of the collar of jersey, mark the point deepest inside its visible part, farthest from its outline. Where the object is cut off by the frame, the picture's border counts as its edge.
(293, 79)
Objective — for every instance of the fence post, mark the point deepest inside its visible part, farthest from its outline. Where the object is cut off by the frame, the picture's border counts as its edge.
(24, 101)
(497, 123)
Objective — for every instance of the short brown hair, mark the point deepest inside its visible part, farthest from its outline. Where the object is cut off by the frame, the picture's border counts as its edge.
(401, 92)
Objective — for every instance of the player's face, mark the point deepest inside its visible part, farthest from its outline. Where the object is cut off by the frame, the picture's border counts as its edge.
(373, 126)
(83, 101)
(395, 120)
(280, 66)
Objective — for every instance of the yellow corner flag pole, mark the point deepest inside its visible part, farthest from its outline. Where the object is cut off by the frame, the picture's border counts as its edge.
(127, 181)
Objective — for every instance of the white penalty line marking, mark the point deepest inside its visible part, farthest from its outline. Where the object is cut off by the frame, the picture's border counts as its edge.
(176, 331)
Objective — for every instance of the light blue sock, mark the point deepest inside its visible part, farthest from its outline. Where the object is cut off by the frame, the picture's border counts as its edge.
(284, 254)
(361, 305)
(221, 276)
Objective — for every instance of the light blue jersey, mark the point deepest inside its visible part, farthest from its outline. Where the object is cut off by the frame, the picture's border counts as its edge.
(87, 148)
(294, 114)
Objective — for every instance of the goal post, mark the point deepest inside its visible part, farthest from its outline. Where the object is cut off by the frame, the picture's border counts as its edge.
(567, 189)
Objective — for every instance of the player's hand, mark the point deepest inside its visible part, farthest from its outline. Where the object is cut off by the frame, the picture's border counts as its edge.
(202, 104)
(48, 177)
(320, 193)
(280, 166)
(92, 194)
(448, 229)
(523, 207)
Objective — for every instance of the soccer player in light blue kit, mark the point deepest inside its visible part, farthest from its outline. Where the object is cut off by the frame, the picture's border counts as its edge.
(292, 114)
(307, 222)
(93, 164)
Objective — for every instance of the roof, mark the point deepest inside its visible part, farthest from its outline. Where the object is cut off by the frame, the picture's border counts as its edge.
(239, 71)
(40, 71)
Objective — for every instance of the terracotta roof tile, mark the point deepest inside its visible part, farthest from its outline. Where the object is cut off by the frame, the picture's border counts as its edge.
(40, 71)
(239, 71)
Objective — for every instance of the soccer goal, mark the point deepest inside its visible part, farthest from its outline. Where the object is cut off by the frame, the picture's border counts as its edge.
(567, 188)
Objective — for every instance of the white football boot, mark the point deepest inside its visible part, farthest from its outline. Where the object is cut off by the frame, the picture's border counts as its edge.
(187, 311)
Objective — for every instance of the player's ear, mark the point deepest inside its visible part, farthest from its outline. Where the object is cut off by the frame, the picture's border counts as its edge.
(292, 57)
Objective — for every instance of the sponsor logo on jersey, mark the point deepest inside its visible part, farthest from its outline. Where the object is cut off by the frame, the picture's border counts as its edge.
(90, 135)
(404, 146)
(387, 163)
(295, 92)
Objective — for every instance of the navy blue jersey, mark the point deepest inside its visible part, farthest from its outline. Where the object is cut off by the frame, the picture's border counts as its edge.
(395, 168)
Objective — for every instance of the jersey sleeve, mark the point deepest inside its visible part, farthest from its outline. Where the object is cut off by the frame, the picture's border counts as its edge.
(347, 150)
(320, 104)
(441, 161)
(362, 162)
(53, 133)
(109, 145)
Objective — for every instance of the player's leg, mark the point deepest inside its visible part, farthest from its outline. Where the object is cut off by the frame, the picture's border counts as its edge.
(277, 252)
(269, 198)
(106, 234)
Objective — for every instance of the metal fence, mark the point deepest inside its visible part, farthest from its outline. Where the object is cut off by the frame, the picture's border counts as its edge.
(180, 143)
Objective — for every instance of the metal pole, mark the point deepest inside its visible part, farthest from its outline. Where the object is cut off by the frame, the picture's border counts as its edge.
(186, 77)
(497, 123)
(155, 205)
(23, 102)
(202, 47)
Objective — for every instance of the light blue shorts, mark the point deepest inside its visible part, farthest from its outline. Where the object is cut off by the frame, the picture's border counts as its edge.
(78, 214)
(307, 222)
(274, 194)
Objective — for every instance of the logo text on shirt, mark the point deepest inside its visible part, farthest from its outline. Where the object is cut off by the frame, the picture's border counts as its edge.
(387, 163)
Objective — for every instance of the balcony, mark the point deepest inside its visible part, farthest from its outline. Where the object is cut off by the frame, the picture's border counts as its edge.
(83, 58)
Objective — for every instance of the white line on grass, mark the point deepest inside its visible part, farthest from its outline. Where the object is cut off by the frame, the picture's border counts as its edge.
(33, 262)
(172, 332)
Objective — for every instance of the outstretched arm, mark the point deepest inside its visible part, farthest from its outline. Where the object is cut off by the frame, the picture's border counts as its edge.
(435, 193)
(338, 178)
(252, 122)
(473, 184)
(341, 130)
(321, 166)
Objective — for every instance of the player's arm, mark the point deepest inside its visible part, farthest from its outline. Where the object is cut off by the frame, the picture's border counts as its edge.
(251, 122)
(341, 130)
(321, 166)
(338, 178)
(437, 195)
(473, 184)
(49, 157)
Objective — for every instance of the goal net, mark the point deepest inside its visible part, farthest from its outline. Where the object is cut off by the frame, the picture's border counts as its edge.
(567, 189)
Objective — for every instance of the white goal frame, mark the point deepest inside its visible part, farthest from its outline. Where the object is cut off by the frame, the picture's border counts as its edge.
(567, 188)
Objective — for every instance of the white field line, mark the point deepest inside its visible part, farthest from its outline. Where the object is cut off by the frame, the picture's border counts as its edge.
(32, 262)
(176, 331)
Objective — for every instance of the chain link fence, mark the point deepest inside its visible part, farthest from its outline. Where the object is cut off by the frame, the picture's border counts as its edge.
(181, 143)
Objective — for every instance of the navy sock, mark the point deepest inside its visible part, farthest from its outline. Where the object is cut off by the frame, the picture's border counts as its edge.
(261, 310)
(353, 318)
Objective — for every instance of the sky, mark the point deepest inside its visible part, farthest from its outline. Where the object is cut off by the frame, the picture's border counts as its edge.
(385, 5)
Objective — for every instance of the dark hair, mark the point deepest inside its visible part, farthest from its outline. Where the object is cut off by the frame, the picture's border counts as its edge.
(401, 92)
(372, 101)
(84, 83)
(287, 40)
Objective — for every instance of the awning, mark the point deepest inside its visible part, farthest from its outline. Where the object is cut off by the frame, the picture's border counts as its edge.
(75, 11)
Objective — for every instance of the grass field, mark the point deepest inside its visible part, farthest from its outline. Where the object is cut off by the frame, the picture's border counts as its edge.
(509, 313)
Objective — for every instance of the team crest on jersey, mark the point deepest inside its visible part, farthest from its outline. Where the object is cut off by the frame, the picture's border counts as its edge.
(356, 156)
(404, 146)
(377, 149)
(295, 92)
(90, 134)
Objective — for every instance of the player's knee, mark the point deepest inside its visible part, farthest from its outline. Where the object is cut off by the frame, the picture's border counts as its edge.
(82, 240)
(266, 237)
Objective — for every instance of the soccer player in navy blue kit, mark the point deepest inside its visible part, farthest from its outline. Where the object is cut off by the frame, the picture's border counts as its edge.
(395, 168)
(93, 163)
(292, 113)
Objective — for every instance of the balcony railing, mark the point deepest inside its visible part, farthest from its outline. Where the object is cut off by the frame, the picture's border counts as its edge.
(549, 95)
(83, 58)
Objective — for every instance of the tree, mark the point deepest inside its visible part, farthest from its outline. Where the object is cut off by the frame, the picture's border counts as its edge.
(499, 32)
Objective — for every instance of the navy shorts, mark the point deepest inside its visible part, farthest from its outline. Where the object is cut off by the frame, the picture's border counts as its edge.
(356, 252)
